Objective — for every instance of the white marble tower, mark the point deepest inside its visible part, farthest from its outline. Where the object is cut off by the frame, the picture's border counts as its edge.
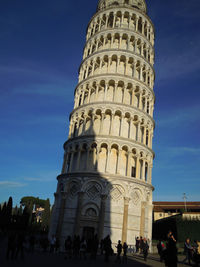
(105, 186)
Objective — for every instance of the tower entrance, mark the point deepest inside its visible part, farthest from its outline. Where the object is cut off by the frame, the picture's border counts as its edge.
(88, 232)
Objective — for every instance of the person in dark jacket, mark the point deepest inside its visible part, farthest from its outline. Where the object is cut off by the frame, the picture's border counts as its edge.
(171, 251)
(125, 248)
(107, 248)
(119, 251)
(188, 251)
(145, 248)
(161, 249)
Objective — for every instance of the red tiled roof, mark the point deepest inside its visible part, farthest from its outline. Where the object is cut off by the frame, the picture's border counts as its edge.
(166, 205)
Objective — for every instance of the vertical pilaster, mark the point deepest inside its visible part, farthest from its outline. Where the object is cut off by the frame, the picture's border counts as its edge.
(102, 217)
(125, 220)
(61, 214)
(142, 219)
(78, 213)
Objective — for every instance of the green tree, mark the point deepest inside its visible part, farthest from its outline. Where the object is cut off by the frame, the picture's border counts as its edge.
(25, 201)
(46, 216)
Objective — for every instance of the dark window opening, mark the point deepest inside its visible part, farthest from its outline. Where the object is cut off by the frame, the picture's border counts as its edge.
(133, 172)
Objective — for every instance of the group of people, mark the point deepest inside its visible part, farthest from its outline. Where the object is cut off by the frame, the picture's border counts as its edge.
(168, 251)
(82, 248)
(191, 251)
(78, 247)
(121, 247)
(142, 246)
(15, 245)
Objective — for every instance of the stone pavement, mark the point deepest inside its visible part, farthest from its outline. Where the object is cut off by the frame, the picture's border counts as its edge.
(40, 259)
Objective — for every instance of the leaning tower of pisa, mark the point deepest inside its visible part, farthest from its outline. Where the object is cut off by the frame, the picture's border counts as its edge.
(105, 186)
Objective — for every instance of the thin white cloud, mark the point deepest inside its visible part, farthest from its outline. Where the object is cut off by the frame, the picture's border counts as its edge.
(12, 184)
(36, 179)
(65, 89)
(47, 119)
(187, 115)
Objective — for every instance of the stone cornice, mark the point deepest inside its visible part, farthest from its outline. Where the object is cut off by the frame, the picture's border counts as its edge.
(109, 30)
(114, 104)
(109, 139)
(107, 176)
(126, 9)
(106, 52)
(106, 75)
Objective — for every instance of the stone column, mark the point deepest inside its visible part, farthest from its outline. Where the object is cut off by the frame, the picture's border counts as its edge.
(106, 90)
(144, 135)
(137, 167)
(111, 124)
(143, 169)
(129, 164)
(150, 173)
(126, 66)
(143, 27)
(125, 220)
(107, 158)
(142, 219)
(118, 161)
(66, 156)
(139, 132)
(87, 159)
(93, 65)
(136, 24)
(121, 125)
(61, 214)
(131, 129)
(114, 91)
(114, 20)
(109, 63)
(102, 217)
(142, 49)
(120, 41)
(78, 159)
(102, 121)
(133, 98)
(71, 161)
(78, 213)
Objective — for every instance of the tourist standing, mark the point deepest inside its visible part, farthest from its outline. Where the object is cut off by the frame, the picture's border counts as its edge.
(161, 248)
(137, 244)
(83, 248)
(107, 248)
(68, 247)
(145, 248)
(188, 251)
(125, 248)
(119, 251)
(171, 251)
(52, 244)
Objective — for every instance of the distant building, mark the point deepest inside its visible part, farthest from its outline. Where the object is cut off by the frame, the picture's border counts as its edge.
(189, 210)
(38, 214)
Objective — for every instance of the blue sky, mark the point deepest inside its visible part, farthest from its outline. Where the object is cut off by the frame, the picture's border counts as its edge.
(41, 44)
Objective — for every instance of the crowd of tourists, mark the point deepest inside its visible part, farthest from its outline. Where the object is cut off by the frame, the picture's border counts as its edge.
(83, 248)
(142, 246)
(168, 251)
(19, 243)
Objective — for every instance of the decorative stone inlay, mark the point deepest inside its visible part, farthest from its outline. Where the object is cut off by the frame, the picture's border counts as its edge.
(74, 189)
(135, 197)
(116, 192)
(93, 190)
